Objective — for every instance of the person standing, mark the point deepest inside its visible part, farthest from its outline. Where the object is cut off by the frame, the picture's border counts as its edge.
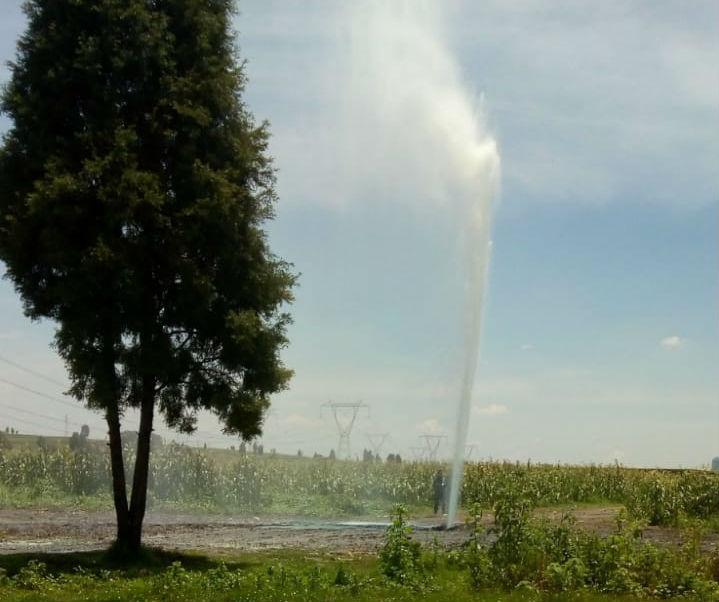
(439, 487)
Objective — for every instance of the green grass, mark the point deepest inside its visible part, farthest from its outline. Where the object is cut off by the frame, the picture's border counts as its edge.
(529, 559)
(283, 576)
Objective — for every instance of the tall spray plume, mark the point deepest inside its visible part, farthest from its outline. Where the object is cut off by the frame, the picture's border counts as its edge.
(416, 132)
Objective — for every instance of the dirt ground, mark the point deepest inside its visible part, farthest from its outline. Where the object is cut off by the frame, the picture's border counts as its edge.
(27, 531)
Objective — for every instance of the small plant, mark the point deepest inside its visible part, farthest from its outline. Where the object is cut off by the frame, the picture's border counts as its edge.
(399, 558)
(476, 558)
(515, 555)
(173, 580)
(566, 576)
(33, 576)
(434, 553)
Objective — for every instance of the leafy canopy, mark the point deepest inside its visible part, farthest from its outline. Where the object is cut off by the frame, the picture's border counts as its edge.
(134, 185)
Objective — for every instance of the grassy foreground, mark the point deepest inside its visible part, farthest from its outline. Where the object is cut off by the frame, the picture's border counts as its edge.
(529, 559)
(169, 577)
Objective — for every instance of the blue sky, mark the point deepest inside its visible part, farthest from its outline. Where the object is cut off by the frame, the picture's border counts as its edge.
(601, 332)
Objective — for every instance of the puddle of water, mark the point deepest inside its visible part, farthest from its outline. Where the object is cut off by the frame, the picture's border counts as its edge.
(337, 526)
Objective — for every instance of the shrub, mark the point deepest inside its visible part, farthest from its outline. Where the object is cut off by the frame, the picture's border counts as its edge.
(533, 553)
(399, 558)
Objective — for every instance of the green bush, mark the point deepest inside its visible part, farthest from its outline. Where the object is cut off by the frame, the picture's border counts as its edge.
(528, 552)
(400, 556)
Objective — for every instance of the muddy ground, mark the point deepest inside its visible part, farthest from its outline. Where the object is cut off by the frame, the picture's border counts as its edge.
(27, 531)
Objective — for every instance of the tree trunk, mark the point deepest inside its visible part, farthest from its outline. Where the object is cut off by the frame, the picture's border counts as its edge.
(119, 486)
(142, 465)
(109, 392)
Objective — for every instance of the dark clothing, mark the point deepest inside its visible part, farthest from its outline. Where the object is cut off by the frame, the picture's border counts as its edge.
(439, 486)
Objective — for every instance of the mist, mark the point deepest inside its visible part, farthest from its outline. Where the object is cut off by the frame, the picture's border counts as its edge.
(415, 131)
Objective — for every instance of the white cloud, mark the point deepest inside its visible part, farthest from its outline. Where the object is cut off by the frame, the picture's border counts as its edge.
(493, 409)
(300, 422)
(430, 426)
(527, 347)
(672, 343)
(586, 105)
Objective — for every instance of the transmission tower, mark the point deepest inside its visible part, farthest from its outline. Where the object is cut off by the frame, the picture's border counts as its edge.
(345, 415)
(418, 453)
(469, 449)
(432, 443)
(376, 442)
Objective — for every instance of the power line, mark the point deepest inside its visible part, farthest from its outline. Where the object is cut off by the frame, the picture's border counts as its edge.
(31, 371)
(36, 425)
(203, 434)
(24, 411)
(45, 395)
(38, 415)
(40, 393)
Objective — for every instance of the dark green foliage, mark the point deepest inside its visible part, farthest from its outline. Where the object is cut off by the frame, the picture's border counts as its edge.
(134, 186)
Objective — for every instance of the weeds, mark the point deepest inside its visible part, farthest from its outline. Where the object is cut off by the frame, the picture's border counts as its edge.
(529, 552)
(517, 558)
(400, 556)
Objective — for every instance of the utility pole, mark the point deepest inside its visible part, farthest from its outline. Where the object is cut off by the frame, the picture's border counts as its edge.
(66, 430)
(345, 415)
(432, 443)
(376, 442)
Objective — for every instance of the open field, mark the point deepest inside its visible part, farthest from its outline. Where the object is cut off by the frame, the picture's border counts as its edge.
(322, 526)
(201, 481)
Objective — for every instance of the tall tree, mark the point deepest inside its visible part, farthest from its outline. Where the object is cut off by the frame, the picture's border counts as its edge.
(134, 187)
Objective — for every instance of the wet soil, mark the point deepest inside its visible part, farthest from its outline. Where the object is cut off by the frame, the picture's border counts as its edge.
(27, 531)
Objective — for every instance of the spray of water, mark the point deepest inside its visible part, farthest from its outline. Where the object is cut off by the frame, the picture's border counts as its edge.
(478, 254)
(411, 118)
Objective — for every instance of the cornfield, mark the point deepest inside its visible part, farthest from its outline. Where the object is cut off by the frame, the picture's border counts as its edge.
(186, 477)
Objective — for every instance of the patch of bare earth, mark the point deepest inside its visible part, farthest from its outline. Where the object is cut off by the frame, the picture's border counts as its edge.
(27, 531)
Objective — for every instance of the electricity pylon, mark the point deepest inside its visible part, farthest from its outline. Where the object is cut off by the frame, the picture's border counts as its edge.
(469, 450)
(377, 441)
(418, 453)
(345, 415)
(432, 443)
